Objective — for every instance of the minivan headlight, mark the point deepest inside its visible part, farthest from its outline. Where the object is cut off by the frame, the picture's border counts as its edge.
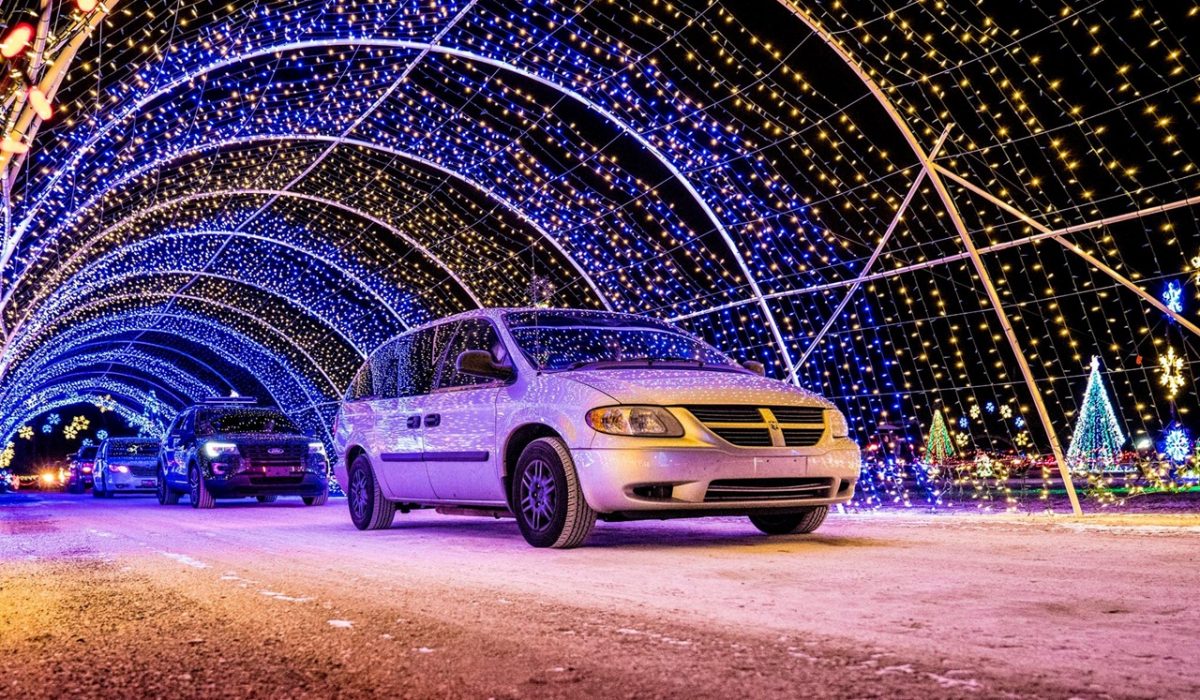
(636, 421)
(838, 424)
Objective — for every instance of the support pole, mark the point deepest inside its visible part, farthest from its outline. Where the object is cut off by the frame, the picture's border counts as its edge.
(994, 298)
(862, 275)
(1057, 236)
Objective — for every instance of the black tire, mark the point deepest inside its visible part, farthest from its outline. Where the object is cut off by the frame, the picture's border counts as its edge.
(166, 495)
(318, 500)
(96, 492)
(799, 523)
(265, 498)
(369, 510)
(75, 488)
(547, 500)
(198, 491)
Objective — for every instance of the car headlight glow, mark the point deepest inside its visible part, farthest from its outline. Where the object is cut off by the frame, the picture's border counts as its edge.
(216, 449)
(316, 448)
(635, 421)
(838, 424)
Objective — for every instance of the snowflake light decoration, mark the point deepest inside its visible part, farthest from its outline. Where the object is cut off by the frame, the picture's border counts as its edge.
(25, 433)
(975, 411)
(1006, 411)
(964, 422)
(1171, 366)
(1176, 444)
(102, 435)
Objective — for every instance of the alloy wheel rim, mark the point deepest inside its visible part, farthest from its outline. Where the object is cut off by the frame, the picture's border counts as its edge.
(358, 494)
(539, 495)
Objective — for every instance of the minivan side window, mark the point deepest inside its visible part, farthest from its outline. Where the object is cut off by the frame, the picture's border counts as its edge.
(417, 355)
(470, 334)
(361, 386)
(383, 367)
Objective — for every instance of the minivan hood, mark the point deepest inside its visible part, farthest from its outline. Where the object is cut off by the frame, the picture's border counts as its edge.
(675, 387)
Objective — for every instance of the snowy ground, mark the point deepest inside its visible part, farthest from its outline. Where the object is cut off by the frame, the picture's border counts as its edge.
(127, 598)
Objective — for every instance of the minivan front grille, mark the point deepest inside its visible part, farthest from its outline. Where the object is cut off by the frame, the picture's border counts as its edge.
(752, 426)
(799, 414)
(726, 414)
(768, 489)
(745, 437)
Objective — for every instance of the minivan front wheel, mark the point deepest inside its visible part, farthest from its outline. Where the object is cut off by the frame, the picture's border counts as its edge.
(369, 510)
(801, 523)
(547, 499)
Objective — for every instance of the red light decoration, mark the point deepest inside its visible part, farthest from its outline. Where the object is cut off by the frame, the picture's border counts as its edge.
(16, 40)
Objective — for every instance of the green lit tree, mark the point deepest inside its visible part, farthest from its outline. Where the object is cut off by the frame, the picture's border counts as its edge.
(938, 445)
(1098, 436)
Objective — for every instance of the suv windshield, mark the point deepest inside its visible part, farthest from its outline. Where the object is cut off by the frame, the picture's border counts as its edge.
(243, 420)
(558, 339)
(133, 448)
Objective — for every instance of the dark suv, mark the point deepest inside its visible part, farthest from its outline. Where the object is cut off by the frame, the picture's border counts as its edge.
(80, 473)
(229, 448)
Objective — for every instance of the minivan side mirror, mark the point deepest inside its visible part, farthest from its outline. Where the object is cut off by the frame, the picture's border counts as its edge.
(756, 367)
(479, 363)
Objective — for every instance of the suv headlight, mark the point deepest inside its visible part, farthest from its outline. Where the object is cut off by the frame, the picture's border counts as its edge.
(217, 449)
(838, 424)
(316, 448)
(636, 421)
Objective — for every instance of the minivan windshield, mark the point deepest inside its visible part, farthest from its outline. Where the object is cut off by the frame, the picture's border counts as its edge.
(243, 420)
(562, 339)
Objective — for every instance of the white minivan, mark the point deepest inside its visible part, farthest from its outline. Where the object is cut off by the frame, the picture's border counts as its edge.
(559, 417)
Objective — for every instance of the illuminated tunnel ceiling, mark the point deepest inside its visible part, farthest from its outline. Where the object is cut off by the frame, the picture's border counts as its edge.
(251, 196)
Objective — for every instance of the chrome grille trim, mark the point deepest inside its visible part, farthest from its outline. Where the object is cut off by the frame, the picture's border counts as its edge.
(769, 489)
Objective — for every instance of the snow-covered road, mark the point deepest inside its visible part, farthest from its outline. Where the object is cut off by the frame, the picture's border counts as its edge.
(124, 596)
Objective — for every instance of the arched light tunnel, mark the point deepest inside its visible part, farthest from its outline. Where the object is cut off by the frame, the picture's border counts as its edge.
(252, 201)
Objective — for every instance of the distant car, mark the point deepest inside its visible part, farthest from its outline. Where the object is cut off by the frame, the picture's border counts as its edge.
(81, 469)
(126, 465)
(560, 417)
(232, 449)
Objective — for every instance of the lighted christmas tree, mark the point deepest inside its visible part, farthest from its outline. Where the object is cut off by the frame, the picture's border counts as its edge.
(1098, 437)
(938, 446)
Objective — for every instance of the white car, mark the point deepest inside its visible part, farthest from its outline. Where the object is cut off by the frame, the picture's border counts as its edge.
(560, 417)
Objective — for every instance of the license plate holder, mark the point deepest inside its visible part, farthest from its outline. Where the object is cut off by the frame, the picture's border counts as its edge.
(781, 466)
(279, 471)
(149, 482)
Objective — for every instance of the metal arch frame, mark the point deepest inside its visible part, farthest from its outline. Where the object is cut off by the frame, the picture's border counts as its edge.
(212, 232)
(487, 191)
(952, 211)
(213, 275)
(130, 377)
(214, 303)
(469, 56)
(156, 368)
(125, 391)
(271, 356)
(159, 346)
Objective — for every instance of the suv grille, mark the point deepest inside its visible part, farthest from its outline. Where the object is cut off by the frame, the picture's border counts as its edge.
(259, 455)
(747, 426)
(768, 489)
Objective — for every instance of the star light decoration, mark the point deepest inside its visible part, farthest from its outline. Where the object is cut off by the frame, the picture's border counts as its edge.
(683, 160)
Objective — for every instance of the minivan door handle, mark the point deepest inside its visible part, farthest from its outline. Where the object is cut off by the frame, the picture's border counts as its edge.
(414, 422)
(433, 420)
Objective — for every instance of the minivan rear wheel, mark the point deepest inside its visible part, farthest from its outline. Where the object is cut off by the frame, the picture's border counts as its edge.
(549, 504)
(369, 510)
(800, 523)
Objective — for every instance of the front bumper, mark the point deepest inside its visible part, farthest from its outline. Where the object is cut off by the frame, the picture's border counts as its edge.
(257, 483)
(128, 483)
(676, 480)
